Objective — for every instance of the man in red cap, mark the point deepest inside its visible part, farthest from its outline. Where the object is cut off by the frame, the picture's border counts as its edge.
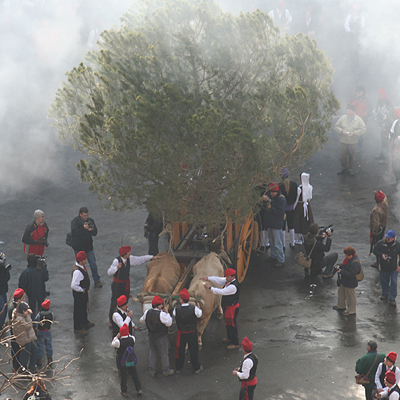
(186, 321)
(123, 315)
(384, 367)
(80, 285)
(230, 304)
(247, 371)
(157, 321)
(378, 221)
(275, 205)
(44, 337)
(392, 390)
(120, 271)
(124, 342)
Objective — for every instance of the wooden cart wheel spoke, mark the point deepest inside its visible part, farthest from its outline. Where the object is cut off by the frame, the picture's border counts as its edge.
(244, 247)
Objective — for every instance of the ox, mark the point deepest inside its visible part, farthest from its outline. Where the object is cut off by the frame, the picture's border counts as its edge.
(209, 265)
(162, 276)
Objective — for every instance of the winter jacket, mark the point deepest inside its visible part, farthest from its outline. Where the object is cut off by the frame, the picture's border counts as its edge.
(356, 125)
(392, 249)
(349, 271)
(82, 239)
(378, 216)
(364, 363)
(32, 280)
(32, 234)
(22, 328)
(273, 217)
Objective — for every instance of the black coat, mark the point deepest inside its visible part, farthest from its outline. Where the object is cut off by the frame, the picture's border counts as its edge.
(392, 250)
(273, 217)
(4, 278)
(32, 280)
(319, 251)
(82, 239)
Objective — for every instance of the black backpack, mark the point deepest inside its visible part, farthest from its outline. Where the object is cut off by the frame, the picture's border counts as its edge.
(68, 239)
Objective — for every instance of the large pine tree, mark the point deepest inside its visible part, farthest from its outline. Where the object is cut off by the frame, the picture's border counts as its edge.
(192, 108)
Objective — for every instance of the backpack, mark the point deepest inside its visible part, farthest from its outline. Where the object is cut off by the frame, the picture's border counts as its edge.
(129, 358)
(68, 239)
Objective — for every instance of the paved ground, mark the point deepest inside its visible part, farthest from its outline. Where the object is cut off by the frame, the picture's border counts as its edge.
(306, 350)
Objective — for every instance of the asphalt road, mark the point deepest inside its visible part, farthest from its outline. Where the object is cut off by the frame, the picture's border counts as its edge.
(306, 350)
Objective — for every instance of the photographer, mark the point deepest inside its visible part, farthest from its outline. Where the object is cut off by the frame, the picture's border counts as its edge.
(347, 282)
(83, 228)
(32, 281)
(319, 260)
(387, 251)
(4, 278)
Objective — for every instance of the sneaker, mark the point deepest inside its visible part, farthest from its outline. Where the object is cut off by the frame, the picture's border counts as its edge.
(177, 371)
(89, 325)
(347, 313)
(170, 372)
(124, 394)
(139, 392)
(80, 331)
(338, 309)
(392, 302)
(98, 284)
(292, 246)
(225, 340)
(341, 171)
(299, 242)
(233, 347)
(279, 265)
(199, 370)
(384, 297)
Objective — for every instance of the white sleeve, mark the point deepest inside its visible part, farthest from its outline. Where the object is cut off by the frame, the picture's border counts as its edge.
(113, 268)
(226, 291)
(197, 311)
(347, 24)
(246, 367)
(288, 16)
(77, 276)
(119, 321)
(115, 342)
(139, 260)
(143, 318)
(165, 318)
(377, 375)
(393, 125)
(217, 279)
(397, 375)
(272, 15)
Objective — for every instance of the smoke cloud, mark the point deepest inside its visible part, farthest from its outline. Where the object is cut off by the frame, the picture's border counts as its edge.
(42, 39)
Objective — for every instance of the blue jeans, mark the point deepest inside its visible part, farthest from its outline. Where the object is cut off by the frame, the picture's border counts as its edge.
(92, 262)
(44, 338)
(275, 239)
(3, 315)
(389, 283)
(28, 354)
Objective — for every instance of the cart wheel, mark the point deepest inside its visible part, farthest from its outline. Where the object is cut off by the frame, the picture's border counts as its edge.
(244, 247)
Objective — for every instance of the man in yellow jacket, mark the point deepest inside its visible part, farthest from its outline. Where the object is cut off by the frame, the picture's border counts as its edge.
(350, 127)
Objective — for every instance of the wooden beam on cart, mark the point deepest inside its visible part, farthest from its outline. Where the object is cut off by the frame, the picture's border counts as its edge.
(184, 278)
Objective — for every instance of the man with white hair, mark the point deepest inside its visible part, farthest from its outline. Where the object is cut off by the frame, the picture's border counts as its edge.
(35, 235)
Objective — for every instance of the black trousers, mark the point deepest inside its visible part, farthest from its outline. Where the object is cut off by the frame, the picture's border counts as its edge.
(232, 331)
(80, 309)
(153, 245)
(250, 392)
(117, 290)
(191, 340)
(132, 371)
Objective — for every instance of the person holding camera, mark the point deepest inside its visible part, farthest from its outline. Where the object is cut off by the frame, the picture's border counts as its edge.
(4, 278)
(83, 228)
(347, 282)
(35, 235)
(387, 251)
(33, 281)
(316, 244)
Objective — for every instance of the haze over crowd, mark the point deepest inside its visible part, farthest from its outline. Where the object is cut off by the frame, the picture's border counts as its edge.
(42, 39)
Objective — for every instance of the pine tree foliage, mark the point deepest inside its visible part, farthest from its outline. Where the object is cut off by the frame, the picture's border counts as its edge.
(192, 108)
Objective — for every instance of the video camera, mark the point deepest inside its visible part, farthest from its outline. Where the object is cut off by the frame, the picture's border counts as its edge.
(41, 262)
(3, 261)
(325, 230)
